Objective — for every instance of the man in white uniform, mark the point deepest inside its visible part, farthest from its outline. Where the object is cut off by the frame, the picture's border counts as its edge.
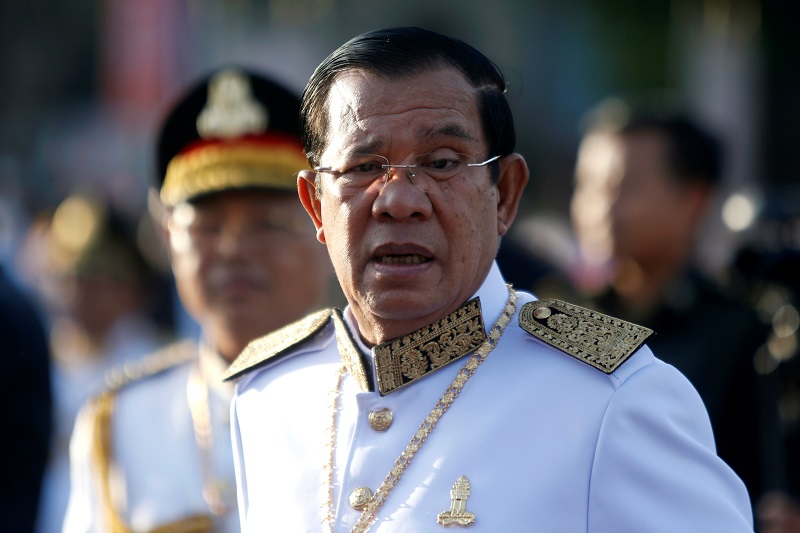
(441, 397)
(154, 452)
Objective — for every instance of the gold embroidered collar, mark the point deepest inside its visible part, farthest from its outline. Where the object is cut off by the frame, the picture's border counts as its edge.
(404, 360)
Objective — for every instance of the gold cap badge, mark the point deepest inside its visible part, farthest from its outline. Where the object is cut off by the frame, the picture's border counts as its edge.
(231, 110)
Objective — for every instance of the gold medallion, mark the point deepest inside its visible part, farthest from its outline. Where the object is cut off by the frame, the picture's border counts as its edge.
(360, 497)
(458, 514)
(380, 420)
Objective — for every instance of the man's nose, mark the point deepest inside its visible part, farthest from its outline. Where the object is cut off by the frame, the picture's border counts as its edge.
(400, 197)
(233, 239)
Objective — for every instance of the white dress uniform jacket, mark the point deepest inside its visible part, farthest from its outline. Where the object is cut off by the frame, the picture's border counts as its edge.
(547, 443)
(156, 470)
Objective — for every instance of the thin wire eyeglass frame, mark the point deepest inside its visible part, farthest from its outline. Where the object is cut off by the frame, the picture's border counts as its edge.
(409, 168)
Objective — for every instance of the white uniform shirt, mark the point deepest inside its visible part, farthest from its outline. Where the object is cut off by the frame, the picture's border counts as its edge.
(76, 377)
(156, 473)
(547, 442)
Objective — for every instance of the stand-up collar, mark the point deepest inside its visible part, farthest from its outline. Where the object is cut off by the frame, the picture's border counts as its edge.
(402, 361)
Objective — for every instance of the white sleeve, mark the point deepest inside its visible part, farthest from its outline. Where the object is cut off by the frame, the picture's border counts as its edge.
(656, 467)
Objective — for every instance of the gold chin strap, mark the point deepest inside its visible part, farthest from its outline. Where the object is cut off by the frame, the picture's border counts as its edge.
(101, 455)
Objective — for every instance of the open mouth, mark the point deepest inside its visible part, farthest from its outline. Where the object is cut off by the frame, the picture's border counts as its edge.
(403, 259)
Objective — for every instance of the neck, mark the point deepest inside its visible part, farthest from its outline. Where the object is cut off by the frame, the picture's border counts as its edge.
(227, 345)
(375, 330)
(642, 287)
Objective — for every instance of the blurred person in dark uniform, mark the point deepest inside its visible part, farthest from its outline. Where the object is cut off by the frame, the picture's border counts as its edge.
(153, 453)
(643, 190)
(25, 403)
(766, 270)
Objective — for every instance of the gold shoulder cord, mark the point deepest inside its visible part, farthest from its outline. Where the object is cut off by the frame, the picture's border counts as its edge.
(101, 455)
(427, 426)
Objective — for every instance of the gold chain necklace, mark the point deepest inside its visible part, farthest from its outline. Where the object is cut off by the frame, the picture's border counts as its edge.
(427, 426)
(215, 489)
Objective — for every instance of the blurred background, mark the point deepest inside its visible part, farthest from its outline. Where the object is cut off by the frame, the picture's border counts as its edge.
(84, 83)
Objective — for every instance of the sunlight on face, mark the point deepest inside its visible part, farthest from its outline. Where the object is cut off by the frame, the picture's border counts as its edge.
(403, 255)
(247, 262)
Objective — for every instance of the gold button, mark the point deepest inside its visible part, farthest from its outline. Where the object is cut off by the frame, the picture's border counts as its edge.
(542, 313)
(360, 497)
(380, 420)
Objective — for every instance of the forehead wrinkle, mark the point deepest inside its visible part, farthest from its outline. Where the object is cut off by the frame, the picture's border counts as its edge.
(348, 108)
(344, 114)
(453, 130)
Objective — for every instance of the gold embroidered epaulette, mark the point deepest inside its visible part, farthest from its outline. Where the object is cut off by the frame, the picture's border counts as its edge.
(153, 364)
(277, 343)
(599, 340)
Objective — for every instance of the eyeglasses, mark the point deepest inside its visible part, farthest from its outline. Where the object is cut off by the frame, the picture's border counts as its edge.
(363, 170)
(193, 227)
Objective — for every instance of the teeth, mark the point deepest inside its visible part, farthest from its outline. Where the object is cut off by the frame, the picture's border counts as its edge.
(403, 259)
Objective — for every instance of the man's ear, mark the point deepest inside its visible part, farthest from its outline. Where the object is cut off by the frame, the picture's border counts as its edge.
(513, 178)
(307, 190)
(698, 198)
(159, 218)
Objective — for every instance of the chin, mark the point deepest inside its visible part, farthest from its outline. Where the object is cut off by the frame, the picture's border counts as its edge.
(405, 306)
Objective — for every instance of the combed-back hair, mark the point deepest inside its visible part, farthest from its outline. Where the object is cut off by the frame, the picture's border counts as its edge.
(408, 51)
(694, 155)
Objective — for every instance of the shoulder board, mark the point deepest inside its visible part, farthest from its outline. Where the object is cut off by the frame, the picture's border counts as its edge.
(599, 340)
(153, 364)
(276, 344)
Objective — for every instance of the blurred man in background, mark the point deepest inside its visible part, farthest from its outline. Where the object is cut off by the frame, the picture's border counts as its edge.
(644, 186)
(154, 452)
(94, 281)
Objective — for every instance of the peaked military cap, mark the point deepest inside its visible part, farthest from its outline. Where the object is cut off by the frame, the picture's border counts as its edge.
(234, 129)
(88, 237)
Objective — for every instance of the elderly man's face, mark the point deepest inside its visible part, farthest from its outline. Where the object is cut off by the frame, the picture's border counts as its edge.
(406, 257)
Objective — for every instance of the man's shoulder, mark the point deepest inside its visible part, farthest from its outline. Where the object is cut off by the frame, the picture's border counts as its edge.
(278, 344)
(599, 340)
(156, 364)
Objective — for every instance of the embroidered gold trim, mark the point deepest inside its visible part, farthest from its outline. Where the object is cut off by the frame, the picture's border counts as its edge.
(598, 340)
(101, 456)
(406, 359)
(163, 359)
(221, 166)
(350, 353)
(231, 110)
(276, 343)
